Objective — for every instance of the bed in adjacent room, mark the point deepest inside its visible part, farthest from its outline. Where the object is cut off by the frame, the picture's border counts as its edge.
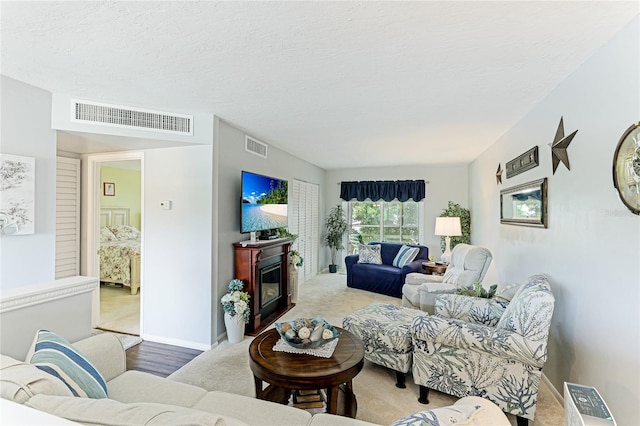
(119, 249)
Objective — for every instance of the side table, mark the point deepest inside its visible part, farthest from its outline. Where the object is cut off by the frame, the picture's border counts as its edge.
(286, 372)
(434, 268)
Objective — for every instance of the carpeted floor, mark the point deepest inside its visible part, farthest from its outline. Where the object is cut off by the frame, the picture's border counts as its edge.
(119, 310)
(226, 367)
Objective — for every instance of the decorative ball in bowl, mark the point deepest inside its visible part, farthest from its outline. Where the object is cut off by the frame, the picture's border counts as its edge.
(307, 333)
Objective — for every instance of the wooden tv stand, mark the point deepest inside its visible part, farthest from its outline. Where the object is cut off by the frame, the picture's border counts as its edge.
(264, 262)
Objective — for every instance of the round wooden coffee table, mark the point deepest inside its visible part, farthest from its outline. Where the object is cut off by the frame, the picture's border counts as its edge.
(286, 372)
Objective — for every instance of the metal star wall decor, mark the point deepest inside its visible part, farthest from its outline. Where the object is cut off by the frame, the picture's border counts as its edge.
(499, 175)
(559, 147)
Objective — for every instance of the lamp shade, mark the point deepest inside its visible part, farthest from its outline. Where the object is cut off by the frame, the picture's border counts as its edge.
(448, 226)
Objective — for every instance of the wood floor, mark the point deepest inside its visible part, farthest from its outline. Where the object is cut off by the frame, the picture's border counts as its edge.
(157, 358)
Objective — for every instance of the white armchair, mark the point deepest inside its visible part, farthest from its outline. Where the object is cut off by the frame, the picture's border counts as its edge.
(468, 265)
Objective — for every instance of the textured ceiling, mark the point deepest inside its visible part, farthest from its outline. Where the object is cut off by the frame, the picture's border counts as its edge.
(339, 84)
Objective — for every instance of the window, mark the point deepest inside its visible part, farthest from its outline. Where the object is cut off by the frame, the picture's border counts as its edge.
(384, 221)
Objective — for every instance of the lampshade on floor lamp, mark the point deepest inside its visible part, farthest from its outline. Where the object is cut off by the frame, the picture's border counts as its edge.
(448, 227)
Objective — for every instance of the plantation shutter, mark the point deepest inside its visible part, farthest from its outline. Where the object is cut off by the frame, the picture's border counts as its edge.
(312, 242)
(67, 217)
(304, 223)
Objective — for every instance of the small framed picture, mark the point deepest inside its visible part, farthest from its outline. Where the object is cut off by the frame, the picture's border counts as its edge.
(109, 189)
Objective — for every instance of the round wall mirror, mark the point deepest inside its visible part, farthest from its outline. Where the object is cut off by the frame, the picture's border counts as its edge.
(626, 168)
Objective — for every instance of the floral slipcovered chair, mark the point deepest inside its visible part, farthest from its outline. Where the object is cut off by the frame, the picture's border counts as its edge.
(485, 347)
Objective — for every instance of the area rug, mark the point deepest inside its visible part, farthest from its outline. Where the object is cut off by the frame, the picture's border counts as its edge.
(127, 340)
(226, 367)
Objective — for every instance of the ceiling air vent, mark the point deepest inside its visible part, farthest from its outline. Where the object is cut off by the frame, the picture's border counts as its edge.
(126, 117)
(255, 146)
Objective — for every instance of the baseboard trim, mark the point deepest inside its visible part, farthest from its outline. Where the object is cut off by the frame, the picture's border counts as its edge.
(178, 342)
(557, 395)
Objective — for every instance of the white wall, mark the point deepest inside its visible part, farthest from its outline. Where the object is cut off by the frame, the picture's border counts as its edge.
(446, 183)
(26, 130)
(29, 308)
(230, 158)
(177, 266)
(591, 249)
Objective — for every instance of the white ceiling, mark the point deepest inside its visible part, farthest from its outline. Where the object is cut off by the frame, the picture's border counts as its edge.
(339, 84)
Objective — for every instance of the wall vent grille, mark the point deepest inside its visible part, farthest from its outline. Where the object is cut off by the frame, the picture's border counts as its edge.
(256, 147)
(126, 117)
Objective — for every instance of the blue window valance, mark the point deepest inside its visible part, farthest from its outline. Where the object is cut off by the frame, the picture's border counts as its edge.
(386, 190)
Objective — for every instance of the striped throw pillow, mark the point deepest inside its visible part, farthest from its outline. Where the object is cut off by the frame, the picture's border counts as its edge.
(405, 255)
(54, 355)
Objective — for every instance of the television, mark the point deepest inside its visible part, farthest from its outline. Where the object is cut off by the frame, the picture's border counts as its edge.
(264, 203)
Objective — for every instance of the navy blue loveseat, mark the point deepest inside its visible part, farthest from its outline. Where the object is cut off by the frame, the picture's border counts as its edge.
(385, 278)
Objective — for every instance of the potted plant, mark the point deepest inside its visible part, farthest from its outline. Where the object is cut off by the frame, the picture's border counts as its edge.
(336, 225)
(235, 304)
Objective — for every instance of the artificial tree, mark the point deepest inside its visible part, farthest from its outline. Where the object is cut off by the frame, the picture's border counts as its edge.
(455, 210)
(336, 225)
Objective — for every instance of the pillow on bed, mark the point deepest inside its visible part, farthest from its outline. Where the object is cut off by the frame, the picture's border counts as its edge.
(106, 236)
(125, 232)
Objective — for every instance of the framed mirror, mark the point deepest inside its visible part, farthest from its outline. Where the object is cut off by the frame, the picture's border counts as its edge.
(626, 168)
(525, 204)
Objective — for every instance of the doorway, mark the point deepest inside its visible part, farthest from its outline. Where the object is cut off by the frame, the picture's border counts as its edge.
(119, 245)
(115, 239)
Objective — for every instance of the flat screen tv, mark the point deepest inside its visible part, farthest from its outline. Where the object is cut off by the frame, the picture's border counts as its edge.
(264, 203)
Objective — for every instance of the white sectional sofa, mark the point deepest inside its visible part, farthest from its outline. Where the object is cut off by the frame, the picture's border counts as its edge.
(137, 398)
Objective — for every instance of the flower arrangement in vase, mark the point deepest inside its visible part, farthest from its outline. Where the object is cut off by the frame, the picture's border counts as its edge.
(295, 259)
(235, 304)
(236, 301)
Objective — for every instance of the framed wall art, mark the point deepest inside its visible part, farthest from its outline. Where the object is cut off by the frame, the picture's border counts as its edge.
(523, 162)
(17, 194)
(626, 168)
(109, 189)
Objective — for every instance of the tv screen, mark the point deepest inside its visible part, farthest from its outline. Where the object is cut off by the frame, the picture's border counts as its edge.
(264, 202)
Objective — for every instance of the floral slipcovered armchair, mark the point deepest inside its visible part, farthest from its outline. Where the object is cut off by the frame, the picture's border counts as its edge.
(486, 347)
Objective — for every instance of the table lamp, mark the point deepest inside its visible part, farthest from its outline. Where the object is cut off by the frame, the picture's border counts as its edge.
(448, 227)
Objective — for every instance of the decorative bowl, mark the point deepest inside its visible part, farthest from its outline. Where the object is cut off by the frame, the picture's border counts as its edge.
(307, 333)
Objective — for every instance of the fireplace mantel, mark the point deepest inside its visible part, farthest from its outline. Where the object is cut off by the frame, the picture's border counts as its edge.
(251, 260)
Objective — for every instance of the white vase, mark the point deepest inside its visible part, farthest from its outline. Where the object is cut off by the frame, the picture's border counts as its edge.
(235, 327)
(294, 278)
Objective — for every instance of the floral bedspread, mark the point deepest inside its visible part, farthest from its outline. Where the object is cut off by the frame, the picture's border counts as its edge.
(115, 260)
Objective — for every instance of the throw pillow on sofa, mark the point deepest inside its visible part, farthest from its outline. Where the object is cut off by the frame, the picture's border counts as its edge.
(19, 381)
(370, 253)
(405, 255)
(54, 355)
(443, 416)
